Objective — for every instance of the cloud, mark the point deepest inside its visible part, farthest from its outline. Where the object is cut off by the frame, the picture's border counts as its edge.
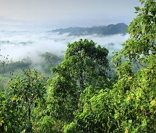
(19, 45)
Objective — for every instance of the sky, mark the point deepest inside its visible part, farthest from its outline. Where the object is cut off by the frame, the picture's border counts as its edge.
(52, 14)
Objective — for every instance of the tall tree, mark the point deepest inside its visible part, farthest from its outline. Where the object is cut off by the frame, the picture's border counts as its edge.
(84, 65)
(136, 91)
(130, 106)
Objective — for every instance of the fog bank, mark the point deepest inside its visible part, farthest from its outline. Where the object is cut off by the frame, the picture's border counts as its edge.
(23, 44)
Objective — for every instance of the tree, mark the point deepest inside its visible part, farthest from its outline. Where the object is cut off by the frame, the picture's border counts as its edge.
(51, 60)
(24, 95)
(97, 115)
(86, 62)
(2, 112)
(136, 91)
(84, 65)
(130, 106)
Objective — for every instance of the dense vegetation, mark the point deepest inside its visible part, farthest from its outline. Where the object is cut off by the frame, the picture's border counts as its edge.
(82, 96)
(10, 69)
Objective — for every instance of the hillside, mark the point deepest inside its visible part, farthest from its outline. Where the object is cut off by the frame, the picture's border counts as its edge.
(111, 29)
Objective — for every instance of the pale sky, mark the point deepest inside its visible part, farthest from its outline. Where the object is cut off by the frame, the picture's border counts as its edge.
(50, 14)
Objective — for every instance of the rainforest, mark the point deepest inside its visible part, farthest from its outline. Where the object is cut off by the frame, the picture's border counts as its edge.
(85, 88)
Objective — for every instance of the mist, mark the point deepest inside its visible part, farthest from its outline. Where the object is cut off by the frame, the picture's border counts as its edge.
(28, 44)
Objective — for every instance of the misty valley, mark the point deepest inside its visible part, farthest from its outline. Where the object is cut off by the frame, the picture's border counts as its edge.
(99, 79)
(44, 50)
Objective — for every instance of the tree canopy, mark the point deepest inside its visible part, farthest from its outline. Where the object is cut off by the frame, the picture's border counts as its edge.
(84, 65)
(82, 97)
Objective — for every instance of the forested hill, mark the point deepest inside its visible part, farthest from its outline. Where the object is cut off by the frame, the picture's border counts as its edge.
(119, 28)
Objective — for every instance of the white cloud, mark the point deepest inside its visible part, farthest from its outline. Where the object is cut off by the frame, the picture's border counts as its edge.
(19, 45)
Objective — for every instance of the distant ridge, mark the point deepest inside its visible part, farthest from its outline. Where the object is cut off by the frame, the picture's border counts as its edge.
(111, 29)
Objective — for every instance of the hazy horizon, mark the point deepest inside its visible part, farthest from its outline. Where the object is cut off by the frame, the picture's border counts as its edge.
(52, 14)
(38, 16)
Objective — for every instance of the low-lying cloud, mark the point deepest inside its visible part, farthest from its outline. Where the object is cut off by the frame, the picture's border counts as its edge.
(19, 45)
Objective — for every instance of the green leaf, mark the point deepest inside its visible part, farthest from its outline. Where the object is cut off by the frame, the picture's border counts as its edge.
(137, 8)
(143, 28)
(142, 1)
(144, 123)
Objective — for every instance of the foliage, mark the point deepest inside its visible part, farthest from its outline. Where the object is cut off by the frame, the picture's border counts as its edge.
(10, 69)
(97, 115)
(82, 98)
(130, 105)
(83, 63)
(14, 66)
(137, 91)
(50, 60)
(25, 93)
